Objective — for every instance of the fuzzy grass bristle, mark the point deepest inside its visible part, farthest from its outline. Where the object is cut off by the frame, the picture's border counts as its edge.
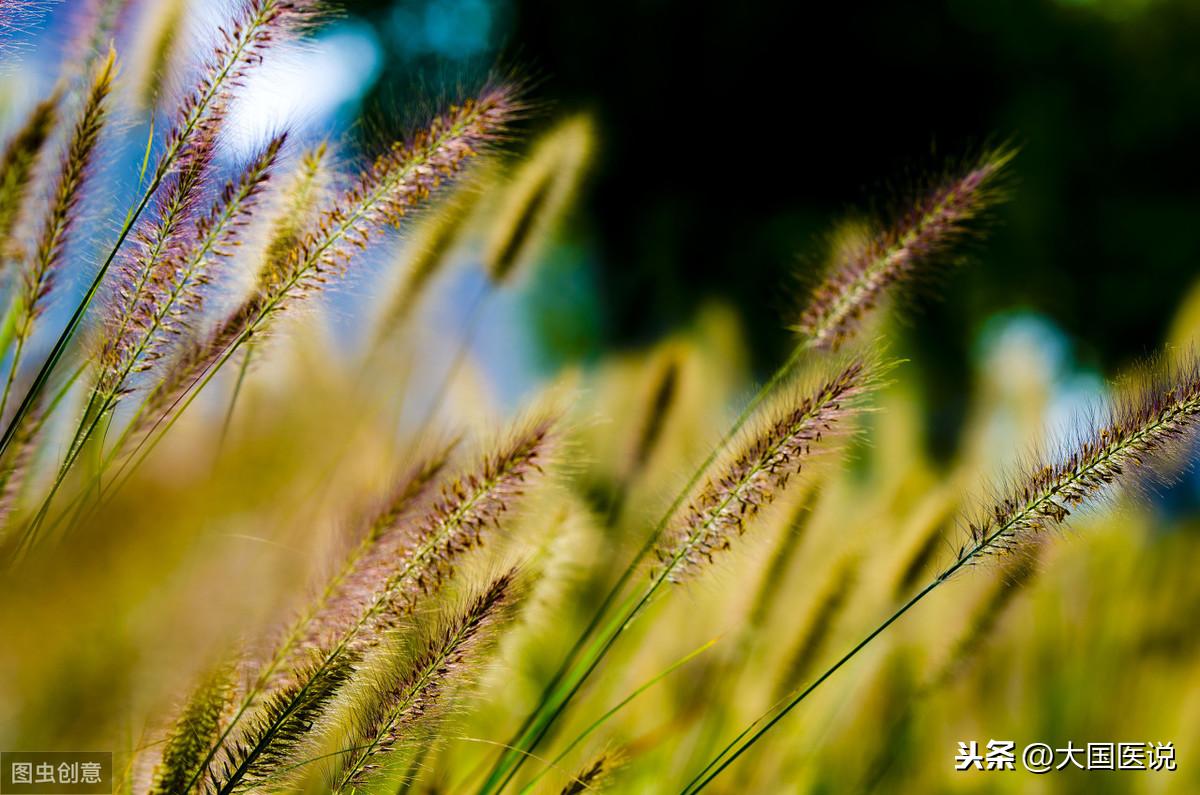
(469, 505)
(37, 279)
(374, 559)
(194, 732)
(405, 559)
(540, 189)
(240, 46)
(271, 739)
(757, 473)
(143, 277)
(442, 660)
(868, 267)
(374, 601)
(396, 184)
(1112, 450)
(594, 776)
(18, 164)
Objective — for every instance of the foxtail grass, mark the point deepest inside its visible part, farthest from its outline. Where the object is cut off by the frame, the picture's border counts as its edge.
(161, 288)
(594, 776)
(926, 231)
(536, 196)
(415, 694)
(239, 47)
(376, 594)
(397, 183)
(194, 731)
(1119, 447)
(18, 164)
(752, 478)
(37, 280)
(932, 225)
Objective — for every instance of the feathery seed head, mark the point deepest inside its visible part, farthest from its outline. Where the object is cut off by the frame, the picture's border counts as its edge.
(399, 181)
(355, 587)
(160, 50)
(1128, 438)
(594, 775)
(194, 732)
(541, 188)
(296, 209)
(394, 185)
(164, 287)
(18, 164)
(864, 271)
(421, 478)
(663, 394)
(15, 465)
(409, 553)
(414, 695)
(240, 46)
(38, 279)
(469, 504)
(143, 276)
(760, 468)
(273, 738)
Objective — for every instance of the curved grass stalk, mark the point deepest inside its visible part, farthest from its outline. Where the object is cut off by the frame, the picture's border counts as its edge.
(872, 266)
(723, 507)
(930, 228)
(417, 692)
(413, 487)
(397, 183)
(600, 721)
(200, 113)
(166, 289)
(38, 280)
(454, 525)
(1167, 413)
(513, 756)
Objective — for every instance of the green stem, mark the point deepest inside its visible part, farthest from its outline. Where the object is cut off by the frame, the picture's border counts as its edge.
(237, 390)
(700, 781)
(1032, 508)
(553, 764)
(511, 760)
(161, 171)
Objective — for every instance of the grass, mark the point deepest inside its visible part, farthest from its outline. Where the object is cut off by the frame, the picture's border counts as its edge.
(233, 557)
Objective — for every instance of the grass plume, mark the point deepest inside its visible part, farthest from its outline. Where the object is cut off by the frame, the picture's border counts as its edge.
(38, 277)
(414, 695)
(594, 775)
(866, 270)
(18, 164)
(757, 474)
(1114, 449)
(240, 46)
(194, 731)
(397, 183)
(541, 188)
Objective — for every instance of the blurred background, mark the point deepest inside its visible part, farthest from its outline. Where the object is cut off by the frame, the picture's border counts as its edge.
(735, 134)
